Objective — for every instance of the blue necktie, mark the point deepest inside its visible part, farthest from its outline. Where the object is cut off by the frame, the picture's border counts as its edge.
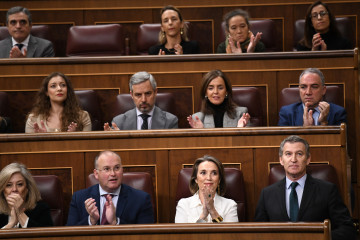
(294, 204)
(19, 45)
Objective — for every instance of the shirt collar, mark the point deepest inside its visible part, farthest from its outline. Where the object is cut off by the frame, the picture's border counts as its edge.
(116, 193)
(301, 181)
(25, 42)
(316, 109)
(138, 113)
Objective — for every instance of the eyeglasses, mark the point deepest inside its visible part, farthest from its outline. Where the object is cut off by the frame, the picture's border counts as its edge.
(321, 14)
(116, 169)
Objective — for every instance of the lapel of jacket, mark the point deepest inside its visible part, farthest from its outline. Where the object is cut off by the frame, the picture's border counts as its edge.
(31, 47)
(8, 46)
(229, 122)
(209, 121)
(122, 200)
(130, 121)
(308, 193)
(95, 194)
(158, 119)
(299, 115)
(281, 199)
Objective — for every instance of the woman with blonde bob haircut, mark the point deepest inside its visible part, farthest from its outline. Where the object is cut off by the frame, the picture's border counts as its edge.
(20, 200)
(207, 184)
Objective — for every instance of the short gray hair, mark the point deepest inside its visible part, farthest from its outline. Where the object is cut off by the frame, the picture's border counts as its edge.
(314, 71)
(104, 153)
(18, 9)
(140, 77)
(294, 139)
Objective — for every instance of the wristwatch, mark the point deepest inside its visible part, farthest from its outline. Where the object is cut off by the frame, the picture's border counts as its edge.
(219, 219)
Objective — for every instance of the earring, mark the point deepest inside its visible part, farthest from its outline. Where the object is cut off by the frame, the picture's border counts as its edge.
(181, 31)
(206, 97)
(163, 34)
(226, 95)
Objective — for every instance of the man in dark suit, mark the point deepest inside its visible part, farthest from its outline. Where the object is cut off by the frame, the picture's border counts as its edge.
(145, 115)
(22, 44)
(302, 198)
(311, 110)
(109, 202)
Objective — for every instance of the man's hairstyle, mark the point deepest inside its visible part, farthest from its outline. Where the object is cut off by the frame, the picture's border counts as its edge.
(18, 9)
(314, 71)
(194, 187)
(33, 195)
(106, 152)
(294, 139)
(140, 77)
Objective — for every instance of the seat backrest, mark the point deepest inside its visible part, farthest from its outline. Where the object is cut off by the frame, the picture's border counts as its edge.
(147, 36)
(343, 23)
(250, 97)
(89, 102)
(138, 180)
(95, 40)
(4, 110)
(52, 193)
(235, 188)
(124, 102)
(291, 95)
(41, 31)
(269, 37)
(321, 171)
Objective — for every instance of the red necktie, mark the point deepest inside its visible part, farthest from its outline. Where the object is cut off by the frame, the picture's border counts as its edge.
(103, 217)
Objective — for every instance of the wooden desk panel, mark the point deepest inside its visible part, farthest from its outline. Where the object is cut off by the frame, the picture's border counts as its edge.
(163, 153)
(244, 231)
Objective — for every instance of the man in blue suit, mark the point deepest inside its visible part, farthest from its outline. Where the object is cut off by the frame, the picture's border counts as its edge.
(109, 202)
(312, 110)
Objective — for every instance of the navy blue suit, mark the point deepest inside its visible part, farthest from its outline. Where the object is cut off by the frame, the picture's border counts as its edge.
(292, 115)
(133, 206)
(321, 200)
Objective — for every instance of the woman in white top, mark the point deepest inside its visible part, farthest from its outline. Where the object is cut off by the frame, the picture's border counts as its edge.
(56, 108)
(207, 184)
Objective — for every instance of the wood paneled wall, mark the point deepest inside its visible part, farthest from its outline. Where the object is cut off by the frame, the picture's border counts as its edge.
(163, 153)
(206, 16)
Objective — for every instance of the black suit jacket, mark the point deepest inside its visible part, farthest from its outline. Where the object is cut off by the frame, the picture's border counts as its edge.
(133, 206)
(38, 217)
(321, 200)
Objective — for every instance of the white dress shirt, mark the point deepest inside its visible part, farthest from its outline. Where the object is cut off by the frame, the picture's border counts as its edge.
(140, 120)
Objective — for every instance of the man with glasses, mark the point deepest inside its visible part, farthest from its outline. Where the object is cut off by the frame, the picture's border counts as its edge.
(21, 43)
(110, 202)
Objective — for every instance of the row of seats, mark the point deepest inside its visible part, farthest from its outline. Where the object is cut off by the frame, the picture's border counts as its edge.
(51, 189)
(109, 39)
(249, 97)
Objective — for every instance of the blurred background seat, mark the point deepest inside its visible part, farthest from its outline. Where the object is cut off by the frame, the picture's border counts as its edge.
(89, 102)
(52, 193)
(95, 40)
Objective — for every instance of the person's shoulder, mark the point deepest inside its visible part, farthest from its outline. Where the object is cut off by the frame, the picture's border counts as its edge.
(290, 106)
(154, 50)
(335, 106)
(228, 201)
(241, 109)
(5, 41)
(40, 40)
(221, 48)
(168, 115)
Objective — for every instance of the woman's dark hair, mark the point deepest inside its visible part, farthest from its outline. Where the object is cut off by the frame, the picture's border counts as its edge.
(309, 29)
(72, 110)
(236, 12)
(205, 103)
(194, 187)
(162, 37)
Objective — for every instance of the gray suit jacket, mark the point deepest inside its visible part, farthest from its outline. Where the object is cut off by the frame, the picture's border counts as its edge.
(37, 47)
(208, 119)
(160, 120)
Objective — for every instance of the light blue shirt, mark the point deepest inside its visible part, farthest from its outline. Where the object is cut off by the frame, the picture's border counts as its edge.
(299, 190)
(316, 114)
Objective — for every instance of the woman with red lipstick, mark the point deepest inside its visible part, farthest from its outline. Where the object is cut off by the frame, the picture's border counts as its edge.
(218, 109)
(173, 37)
(207, 184)
(321, 32)
(239, 38)
(56, 108)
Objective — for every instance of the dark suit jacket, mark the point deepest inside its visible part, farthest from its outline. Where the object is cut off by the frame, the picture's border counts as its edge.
(321, 200)
(37, 47)
(190, 47)
(133, 206)
(38, 217)
(292, 115)
(160, 120)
